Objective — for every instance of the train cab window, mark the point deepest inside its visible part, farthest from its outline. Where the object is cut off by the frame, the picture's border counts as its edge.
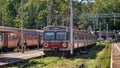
(61, 35)
(49, 36)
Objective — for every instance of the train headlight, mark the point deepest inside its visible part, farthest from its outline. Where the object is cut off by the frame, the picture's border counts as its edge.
(64, 45)
(45, 44)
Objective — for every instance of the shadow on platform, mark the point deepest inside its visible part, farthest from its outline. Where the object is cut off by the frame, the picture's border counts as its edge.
(9, 60)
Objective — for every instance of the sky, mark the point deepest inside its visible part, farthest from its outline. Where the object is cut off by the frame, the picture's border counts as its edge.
(86, 0)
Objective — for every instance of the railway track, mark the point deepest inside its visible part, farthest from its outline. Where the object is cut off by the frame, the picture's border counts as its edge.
(8, 59)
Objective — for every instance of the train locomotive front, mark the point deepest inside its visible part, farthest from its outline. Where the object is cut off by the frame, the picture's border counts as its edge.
(55, 39)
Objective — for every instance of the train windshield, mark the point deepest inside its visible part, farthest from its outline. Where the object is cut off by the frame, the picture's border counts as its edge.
(61, 36)
(49, 36)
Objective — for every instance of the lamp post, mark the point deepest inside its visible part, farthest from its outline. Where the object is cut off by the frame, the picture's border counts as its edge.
(71, 27)
(22, 44)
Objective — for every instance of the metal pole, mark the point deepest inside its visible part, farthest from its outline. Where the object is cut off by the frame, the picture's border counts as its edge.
(115, 37)
(114, 21)
(2, 18)
(100, 31)
(94, 24)
(49, 14)
(71, 27)
(56, 16)
(22, 44)
(97, 19)
(107, 32)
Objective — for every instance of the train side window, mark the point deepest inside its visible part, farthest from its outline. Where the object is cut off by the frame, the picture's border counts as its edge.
(13, 37)
(0, 37)
(75, 35)
(9, 37)
(81, 36)
(89, 37)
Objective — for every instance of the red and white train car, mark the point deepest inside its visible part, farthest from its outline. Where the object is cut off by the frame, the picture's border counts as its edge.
(58, 38)
(11, 40)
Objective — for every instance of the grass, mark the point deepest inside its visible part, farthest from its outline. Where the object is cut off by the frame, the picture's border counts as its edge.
(50, 62)
(97, 56)
(103, 57)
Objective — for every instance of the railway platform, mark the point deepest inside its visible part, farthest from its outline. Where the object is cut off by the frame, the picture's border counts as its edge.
(10, 58)
(115, 57)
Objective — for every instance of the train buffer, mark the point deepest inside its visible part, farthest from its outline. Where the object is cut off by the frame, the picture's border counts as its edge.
(10, 58)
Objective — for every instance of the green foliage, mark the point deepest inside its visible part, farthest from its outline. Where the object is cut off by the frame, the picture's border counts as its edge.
(107, 6)
(36, 11)
(103, 57)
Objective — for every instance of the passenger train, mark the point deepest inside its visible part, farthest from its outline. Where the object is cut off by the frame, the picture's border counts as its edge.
(57, 38)
(12, 40)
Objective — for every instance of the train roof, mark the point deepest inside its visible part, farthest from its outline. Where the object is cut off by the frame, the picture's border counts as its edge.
(13, 29)
(64, 28)
(51, 27)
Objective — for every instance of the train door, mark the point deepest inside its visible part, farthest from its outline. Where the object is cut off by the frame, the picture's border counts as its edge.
(40, 40)
(1, 40)
(5, 40)
(11, 40)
